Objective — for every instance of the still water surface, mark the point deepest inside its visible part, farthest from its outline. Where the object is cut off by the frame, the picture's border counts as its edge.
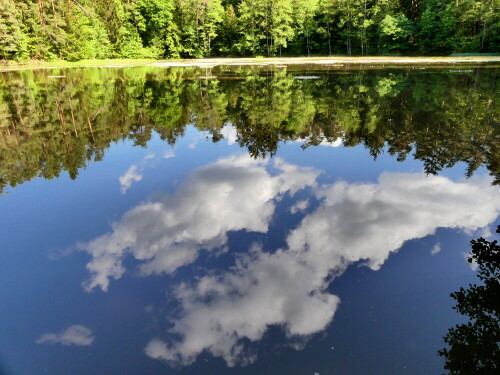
(240, 220)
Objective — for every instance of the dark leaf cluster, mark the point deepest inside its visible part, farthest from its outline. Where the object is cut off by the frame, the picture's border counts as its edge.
(474, 347)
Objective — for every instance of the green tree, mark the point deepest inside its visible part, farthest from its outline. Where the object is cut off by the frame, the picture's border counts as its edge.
(477, 24)
(437, 29)
(113, 15)
(198, 22)
(12, 39)
(304, 12)
(86, 35)
(474, 347)
(353, 22)
(327, 12)
(228, 32)
(153, 20)
(266, 26)
(394, 32)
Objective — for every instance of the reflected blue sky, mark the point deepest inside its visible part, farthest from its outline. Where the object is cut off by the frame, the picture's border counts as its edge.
(198, 260)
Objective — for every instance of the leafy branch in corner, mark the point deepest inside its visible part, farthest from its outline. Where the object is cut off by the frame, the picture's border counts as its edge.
(474, 347)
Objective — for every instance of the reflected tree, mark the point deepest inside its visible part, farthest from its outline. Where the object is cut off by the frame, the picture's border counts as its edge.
(474, 347)
(49, 125)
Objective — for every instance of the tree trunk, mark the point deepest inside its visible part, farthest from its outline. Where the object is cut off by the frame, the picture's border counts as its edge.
(483, 35)
(349, 50)
(329, 41)
(40, 12)
(363, 42)
(307, 42)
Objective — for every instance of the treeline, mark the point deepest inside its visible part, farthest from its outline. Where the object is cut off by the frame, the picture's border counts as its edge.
(50, 125)
(89, 29)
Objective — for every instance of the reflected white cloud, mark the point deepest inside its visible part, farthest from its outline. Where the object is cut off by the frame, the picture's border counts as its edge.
(436, 249)
(74, 335)
(288, 288)
(169, 154)
(132, 175)
(324, 142)
(473, 265)
(235, 193)
(229, 132)
(264, 289)
(368, 221)
(486, 232)
(299, 206)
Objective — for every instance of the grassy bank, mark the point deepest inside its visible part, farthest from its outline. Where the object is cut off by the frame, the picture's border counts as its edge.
(208, 62)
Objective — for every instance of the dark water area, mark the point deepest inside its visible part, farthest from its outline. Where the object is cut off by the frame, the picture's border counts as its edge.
(240, 220)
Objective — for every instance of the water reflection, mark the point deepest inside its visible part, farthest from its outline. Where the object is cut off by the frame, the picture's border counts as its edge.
(235, 193)
(49, 126)
(224, 311)
(75, 335)
(238, 250)
(134, 172)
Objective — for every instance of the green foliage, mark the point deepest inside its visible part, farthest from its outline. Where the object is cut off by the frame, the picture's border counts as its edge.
(87, 36)
(52, 125)
(12, 39)
(474, 347)
(304, 24)
(228, 32)
(153, 22)
(82, 29)
(198, 22)
(437, 27)
(265, 26)
(113, 16)
(394, 32)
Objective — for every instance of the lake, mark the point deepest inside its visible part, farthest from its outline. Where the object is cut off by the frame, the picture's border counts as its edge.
(241, 219)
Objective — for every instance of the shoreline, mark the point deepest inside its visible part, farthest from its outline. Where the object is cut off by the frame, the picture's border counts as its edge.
(253, 61)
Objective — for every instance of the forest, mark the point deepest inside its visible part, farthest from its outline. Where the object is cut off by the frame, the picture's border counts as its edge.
(54, 125)
(96, 29)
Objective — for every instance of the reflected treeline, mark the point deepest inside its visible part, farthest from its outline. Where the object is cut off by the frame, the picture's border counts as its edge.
(51, 123)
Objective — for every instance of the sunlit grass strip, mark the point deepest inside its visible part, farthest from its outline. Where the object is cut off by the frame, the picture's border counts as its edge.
(115, 63)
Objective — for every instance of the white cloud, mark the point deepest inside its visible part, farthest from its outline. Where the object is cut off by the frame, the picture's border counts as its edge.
(229, 132)
(132, 175)
(368, 221)
(235, 193)
(472, 265)
(169, 154)
(288, 288)
(299, 206)
(324, 142)
(486, 232)
(436, 249)
(73, 335)
(263, 290)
